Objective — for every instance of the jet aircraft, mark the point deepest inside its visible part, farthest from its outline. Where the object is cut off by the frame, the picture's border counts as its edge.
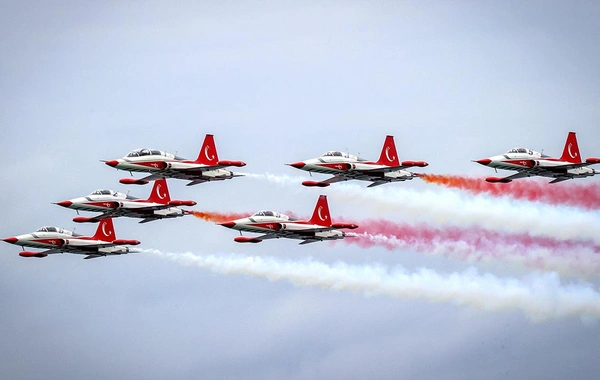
(274, 225)
(114, 204)
(344, 167)
(207, 167)
(58, 240)
(529, 163)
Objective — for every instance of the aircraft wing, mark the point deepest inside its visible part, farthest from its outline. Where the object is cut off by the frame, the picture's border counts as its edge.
(153, 177)
(194, 175)
(560, 179)
(338, 178)
(558, 176)
(521, 174)
(377, 183)
(92, 256)
(308, 241)
(270, 236)
(302, 234)
(386, 169)
(50, 251)
(145, 212)
(572, 166)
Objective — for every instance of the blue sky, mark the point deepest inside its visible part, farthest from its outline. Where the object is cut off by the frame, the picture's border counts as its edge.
(277, 83)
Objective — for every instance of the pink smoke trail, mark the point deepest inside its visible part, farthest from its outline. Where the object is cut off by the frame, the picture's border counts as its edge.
(475, 244)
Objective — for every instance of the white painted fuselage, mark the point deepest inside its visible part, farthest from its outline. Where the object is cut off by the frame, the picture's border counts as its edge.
(281, 225)
(119, 204)
(62, 240)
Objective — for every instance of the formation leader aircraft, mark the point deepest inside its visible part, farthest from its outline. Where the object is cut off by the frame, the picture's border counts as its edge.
(57, 240)
(113, 204)
(344, 167)
(529, 163)
(273, 225)
(207, 167)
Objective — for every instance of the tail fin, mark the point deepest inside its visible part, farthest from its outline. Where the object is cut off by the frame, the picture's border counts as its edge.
(160, 192)
(389, 157)
(321, 215)
(571, 151)
(105, 231)
(208, 152)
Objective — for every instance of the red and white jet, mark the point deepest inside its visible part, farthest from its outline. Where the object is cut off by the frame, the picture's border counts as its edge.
(207, 167)
(274, 225)
(113, 204)
(344, 167)
(529, 163)
(103, 243)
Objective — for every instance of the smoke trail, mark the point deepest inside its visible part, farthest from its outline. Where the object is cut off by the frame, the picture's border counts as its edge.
(539, 296)
(582, 195)
(567, 258)
(473, 244)
(218, 217)
(499, 214)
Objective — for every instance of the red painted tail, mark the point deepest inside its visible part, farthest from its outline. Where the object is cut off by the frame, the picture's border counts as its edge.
(389, 157)
(208, 152)
(571, 151)
(321, 215)
(160, 192)
(105, 231)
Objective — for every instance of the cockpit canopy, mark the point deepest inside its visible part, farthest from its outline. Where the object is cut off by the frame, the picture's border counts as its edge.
(334, 153)
(527, 151)
(338, 154)
(103, 192)
(266, 213)
(273, 214)
(54, 229)
(520, 150)
(144, 152)
(151, 152)
(112, 193)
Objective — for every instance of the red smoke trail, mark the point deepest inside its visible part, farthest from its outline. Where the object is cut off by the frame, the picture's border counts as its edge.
(586, 196)
(218, 217)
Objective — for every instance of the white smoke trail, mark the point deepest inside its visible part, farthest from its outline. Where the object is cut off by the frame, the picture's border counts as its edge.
(539, 296)
(579, 261)
(445, 206)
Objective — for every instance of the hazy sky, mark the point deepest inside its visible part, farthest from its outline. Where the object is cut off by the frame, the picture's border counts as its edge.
(278, 82)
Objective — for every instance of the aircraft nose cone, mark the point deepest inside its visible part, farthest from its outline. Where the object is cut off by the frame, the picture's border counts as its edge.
(11, 240)
(228, 224)
(297, 165)
(112, 163)
(64, 203)
(484, 161)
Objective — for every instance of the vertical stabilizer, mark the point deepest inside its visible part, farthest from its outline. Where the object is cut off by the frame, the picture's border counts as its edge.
(571, 151)
(105, 231)
(160, 192)
(388, 156)
(321, 215)
(208, 152)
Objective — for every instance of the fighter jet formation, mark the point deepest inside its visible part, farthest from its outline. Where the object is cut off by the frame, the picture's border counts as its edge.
(269, 224)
